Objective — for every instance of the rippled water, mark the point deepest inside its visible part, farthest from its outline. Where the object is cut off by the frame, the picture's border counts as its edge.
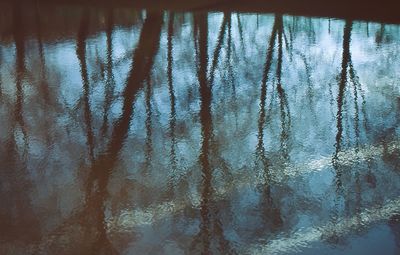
(144, 132)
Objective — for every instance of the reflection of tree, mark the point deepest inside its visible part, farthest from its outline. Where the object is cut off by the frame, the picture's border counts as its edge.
(229, 78)
(310, 30)
(148, 123)
(172, 118)
(92, 217)
(218, 47)
(240, 28)
(110, 82)
(104, 165)
(270, 210)
(229, 57)
(358, 91)
(19, 39)
(205, 118)
(20, 68)
(340, 98)
(380, 35)
(44, 87)
(284, 104)
(210, 225)
(81, 53)
(347, 75)
(260, 151)
(334, 237)
(277, 32)
(43, 79)
(18, 220)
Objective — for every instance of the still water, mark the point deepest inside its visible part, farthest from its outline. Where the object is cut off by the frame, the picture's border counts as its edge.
(141, 132)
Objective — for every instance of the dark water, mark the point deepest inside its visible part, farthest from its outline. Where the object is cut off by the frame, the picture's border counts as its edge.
(145, 132)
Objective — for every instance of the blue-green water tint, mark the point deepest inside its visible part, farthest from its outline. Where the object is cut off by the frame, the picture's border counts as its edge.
(134, 132)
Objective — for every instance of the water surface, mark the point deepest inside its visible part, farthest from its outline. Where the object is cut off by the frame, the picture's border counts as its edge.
(128, 131)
